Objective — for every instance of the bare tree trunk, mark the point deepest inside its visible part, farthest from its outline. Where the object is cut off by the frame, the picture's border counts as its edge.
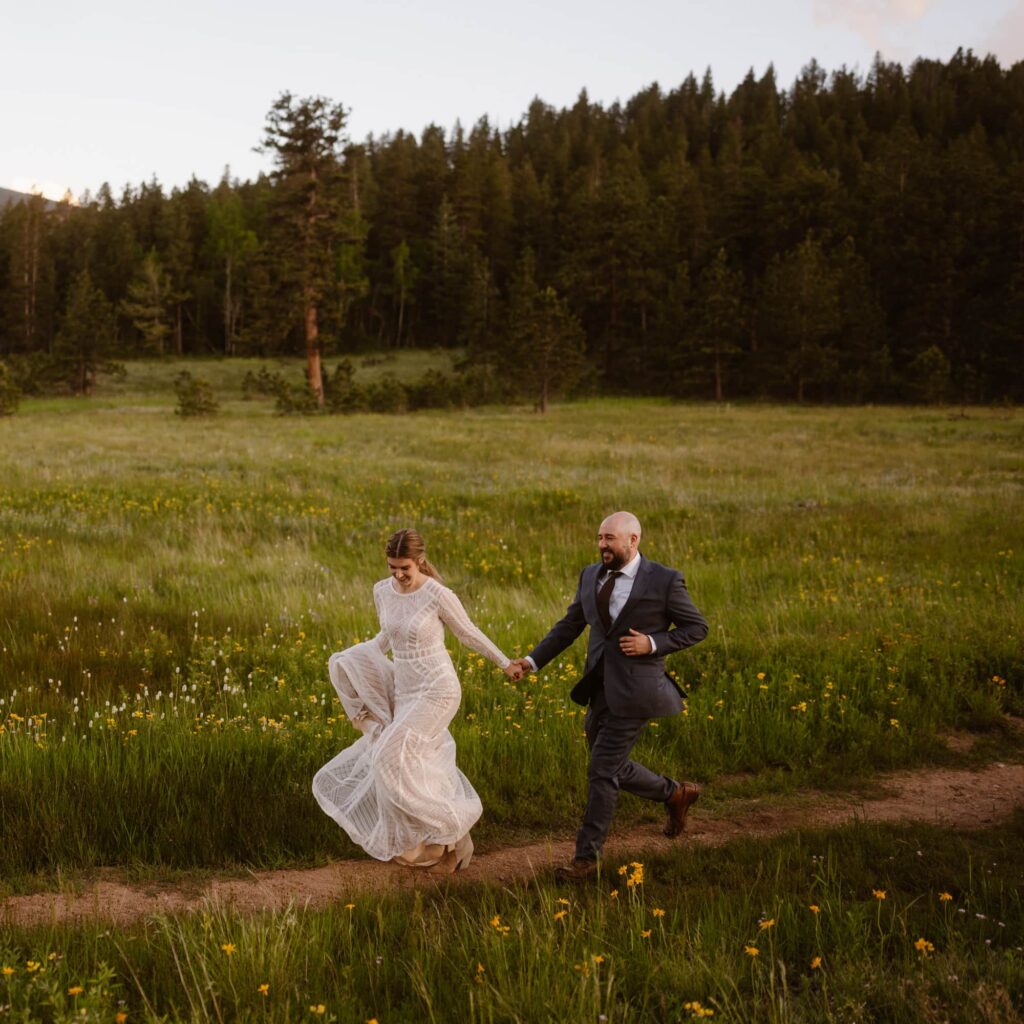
(229, 332)
(718, 377)
(544, 396)
(313, 353)
(178, 346)
(30, 272)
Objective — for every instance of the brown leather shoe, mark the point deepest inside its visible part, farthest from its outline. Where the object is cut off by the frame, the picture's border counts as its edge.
(580, 870)
(678, 804)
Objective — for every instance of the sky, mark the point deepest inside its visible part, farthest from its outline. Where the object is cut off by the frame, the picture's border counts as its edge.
(122, 91)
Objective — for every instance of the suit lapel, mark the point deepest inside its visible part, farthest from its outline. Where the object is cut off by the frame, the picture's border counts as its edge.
(640, 584)
(589, 597)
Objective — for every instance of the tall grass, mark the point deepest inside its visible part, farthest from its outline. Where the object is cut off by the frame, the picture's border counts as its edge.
(861, 924)
(170, 592)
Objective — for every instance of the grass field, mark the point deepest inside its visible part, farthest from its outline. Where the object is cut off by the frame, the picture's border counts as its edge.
(870, 924)
(170, 591)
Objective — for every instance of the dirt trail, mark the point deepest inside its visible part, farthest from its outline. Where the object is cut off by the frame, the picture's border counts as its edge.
(960, 799)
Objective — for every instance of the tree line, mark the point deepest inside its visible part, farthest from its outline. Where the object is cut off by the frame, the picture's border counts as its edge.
(851, 238)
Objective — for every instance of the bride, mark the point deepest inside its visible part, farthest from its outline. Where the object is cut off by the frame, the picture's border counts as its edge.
(396, 791)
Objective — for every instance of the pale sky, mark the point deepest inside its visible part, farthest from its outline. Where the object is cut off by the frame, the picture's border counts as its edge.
(120, 91)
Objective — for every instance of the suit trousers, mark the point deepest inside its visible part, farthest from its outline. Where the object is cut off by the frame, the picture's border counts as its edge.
(611, 739)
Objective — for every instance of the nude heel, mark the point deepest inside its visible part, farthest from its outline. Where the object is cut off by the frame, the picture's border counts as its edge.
(463, 852)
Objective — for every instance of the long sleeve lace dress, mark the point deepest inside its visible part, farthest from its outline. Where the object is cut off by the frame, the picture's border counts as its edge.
(397, 787)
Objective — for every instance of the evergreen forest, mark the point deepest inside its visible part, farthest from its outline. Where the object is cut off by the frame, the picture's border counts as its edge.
(853, 237)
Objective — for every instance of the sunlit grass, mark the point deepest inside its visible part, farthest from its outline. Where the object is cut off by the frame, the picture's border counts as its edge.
(170, 592)
(867, 923)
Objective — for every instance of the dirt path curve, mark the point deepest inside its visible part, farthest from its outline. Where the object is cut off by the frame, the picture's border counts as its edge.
(955, 798)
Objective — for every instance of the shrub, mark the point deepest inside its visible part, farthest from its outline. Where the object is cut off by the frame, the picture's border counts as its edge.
(10, 393)
(388, 394)
(195, 397)
(262, 383)
(928, 376)
(434, 391)
(341, 392)
(294, 400)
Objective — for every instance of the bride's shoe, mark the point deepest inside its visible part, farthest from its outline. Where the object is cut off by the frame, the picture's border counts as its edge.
(463, 852)
(423, 855)
(446, 865)
(455, 858)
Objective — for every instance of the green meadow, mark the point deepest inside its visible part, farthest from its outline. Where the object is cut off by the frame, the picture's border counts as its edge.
(891, 924)
(171, 589)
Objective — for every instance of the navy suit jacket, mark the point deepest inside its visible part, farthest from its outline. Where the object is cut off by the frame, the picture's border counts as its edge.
(635, 686)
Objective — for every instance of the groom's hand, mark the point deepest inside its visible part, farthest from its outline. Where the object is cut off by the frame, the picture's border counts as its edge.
(635, 644)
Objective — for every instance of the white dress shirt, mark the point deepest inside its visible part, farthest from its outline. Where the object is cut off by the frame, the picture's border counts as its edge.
(623, 586)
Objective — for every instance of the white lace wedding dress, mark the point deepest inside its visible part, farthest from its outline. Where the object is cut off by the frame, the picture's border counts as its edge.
(397, 787)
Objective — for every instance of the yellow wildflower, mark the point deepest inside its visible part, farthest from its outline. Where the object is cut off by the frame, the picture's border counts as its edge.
(814, 908)
(879, 894)
(945, 897)
(561, 914)
(597, 958)
(924, 947)
(75, 990)
(765, 925)
(319, 1009)
(751, 950)
(263, 989)
(646, 933)
(698, 1011)
(121, 1017)
(658, 912)
(8, 971)
(815, 963)
(229, 948)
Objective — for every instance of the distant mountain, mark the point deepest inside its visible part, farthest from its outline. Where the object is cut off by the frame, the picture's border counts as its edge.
(8, 195)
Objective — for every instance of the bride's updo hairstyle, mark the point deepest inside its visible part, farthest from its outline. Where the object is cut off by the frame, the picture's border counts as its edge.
(409, 544)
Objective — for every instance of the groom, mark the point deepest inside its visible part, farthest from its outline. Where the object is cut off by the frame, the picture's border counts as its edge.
(638, 611)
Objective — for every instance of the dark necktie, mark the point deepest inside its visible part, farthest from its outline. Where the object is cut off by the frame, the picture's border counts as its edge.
(604, 597)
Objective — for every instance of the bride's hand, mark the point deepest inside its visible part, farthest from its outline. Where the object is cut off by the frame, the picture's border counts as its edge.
(514, 671)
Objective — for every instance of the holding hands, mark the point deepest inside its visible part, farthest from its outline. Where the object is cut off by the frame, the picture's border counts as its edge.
(517, 668)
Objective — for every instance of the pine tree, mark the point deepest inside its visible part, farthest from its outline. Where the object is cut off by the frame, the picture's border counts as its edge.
(544, 354)
(233, 243)
(147, 306)
(721, 323)
(305, 137)
(84, 343)
(802, 308)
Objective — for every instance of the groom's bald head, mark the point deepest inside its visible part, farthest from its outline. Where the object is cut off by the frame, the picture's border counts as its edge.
(618, 538)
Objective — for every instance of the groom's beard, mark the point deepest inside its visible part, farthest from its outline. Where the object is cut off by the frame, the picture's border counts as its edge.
(612, 561)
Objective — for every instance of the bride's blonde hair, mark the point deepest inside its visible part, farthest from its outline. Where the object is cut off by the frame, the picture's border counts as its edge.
(409, 544)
